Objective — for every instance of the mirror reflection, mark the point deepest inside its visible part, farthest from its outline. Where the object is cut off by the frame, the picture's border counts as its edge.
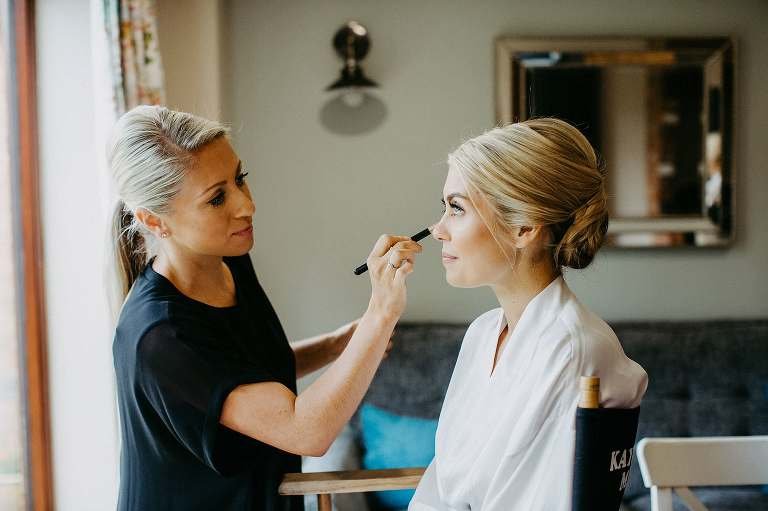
(659, 113)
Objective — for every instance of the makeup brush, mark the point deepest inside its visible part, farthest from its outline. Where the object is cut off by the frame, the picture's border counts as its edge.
(416, 237)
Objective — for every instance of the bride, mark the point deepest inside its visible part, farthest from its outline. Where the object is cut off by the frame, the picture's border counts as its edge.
(522, 202)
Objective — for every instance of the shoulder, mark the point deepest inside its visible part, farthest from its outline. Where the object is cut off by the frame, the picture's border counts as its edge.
(147, 304)
(162, 336)
(152, 299)
(594, 341)
(598, 352)
(168, 351)
(154, 311)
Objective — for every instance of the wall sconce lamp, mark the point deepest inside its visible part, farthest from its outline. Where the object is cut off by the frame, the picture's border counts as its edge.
(352, 43)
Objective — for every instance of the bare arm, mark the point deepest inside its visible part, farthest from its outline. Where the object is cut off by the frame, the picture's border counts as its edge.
(313, 353)
(317, 352)
(307, 424)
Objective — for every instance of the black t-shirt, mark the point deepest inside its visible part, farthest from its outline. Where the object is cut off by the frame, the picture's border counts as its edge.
(176, 360)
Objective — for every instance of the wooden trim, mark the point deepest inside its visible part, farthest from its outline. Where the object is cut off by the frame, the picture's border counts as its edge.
(324, 502)
(354, 481)
(630, 58)
(33, 332)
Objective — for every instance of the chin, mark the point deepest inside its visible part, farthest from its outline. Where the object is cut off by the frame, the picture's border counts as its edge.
(238, 251)
(458, 282)
(245, 250)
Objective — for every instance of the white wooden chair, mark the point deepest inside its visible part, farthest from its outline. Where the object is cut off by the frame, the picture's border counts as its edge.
(674, 464)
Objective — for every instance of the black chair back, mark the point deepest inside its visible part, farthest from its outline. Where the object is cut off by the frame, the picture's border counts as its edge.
(605, 450)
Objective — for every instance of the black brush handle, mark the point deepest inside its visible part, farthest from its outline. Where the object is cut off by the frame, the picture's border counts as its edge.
(416, 237)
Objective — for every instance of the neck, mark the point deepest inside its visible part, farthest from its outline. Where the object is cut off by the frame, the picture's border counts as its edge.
(193, 274)
(519, 287)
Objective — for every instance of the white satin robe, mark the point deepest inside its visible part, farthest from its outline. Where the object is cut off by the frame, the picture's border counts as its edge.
(505, 441)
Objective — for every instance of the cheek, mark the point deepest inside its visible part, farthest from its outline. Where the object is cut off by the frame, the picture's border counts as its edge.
(487, 260)
(476, 243)
(206, 226)
(481, 257)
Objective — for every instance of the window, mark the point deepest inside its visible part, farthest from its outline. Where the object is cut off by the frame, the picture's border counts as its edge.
(12, 462)
(25, 471)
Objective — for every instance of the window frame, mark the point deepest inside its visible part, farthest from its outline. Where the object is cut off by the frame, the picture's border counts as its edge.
(30, 294)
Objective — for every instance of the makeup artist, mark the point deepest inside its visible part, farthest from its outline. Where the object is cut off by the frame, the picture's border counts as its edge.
(206, 378)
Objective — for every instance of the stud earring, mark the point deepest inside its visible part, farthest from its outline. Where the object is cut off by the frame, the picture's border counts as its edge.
(164, 235)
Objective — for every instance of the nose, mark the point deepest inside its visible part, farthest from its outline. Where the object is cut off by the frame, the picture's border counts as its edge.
(439, 232)
(245, 208)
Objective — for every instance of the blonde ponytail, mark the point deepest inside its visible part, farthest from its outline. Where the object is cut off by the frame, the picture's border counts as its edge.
(128, 253)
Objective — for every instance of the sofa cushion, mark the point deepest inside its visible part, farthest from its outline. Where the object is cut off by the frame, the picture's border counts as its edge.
(413, 379)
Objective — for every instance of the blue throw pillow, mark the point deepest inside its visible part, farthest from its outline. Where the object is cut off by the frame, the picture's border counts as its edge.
(395, 441)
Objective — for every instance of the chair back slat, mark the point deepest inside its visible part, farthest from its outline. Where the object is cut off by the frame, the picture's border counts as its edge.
(704, 461)
(690, 500)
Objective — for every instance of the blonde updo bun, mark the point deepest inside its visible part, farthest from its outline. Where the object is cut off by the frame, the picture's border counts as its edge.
(541, 172)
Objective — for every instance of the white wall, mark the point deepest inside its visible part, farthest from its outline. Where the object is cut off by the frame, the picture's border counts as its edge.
(189, 35)
(322, 198)
(84, 430)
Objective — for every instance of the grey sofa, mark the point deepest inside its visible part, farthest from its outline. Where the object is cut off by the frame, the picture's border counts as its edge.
(707, 378)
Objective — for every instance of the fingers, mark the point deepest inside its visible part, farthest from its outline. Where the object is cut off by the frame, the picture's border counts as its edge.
(390, 262)
(385, 242)
(403, 251)
(390, 252)
(396, 263)
(401, 273)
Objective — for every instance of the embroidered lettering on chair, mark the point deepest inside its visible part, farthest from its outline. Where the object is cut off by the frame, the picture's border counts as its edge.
(623, 462)
(624, 480)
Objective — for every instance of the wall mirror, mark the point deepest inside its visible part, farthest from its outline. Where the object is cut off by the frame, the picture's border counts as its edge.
(660, 113)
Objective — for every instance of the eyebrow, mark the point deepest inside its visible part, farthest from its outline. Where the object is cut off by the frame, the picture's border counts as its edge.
(456, 195)
(237, 172)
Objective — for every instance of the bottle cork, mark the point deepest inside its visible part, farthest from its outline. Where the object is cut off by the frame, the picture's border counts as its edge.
(590, 392)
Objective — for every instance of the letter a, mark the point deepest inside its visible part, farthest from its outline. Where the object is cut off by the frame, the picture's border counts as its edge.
(623, 462)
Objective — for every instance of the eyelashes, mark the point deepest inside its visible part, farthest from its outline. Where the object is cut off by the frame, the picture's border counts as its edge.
(455, 207)
(240, 179)
(218, 199)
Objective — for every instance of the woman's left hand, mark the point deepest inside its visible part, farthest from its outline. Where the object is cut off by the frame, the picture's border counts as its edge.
(343, 334)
